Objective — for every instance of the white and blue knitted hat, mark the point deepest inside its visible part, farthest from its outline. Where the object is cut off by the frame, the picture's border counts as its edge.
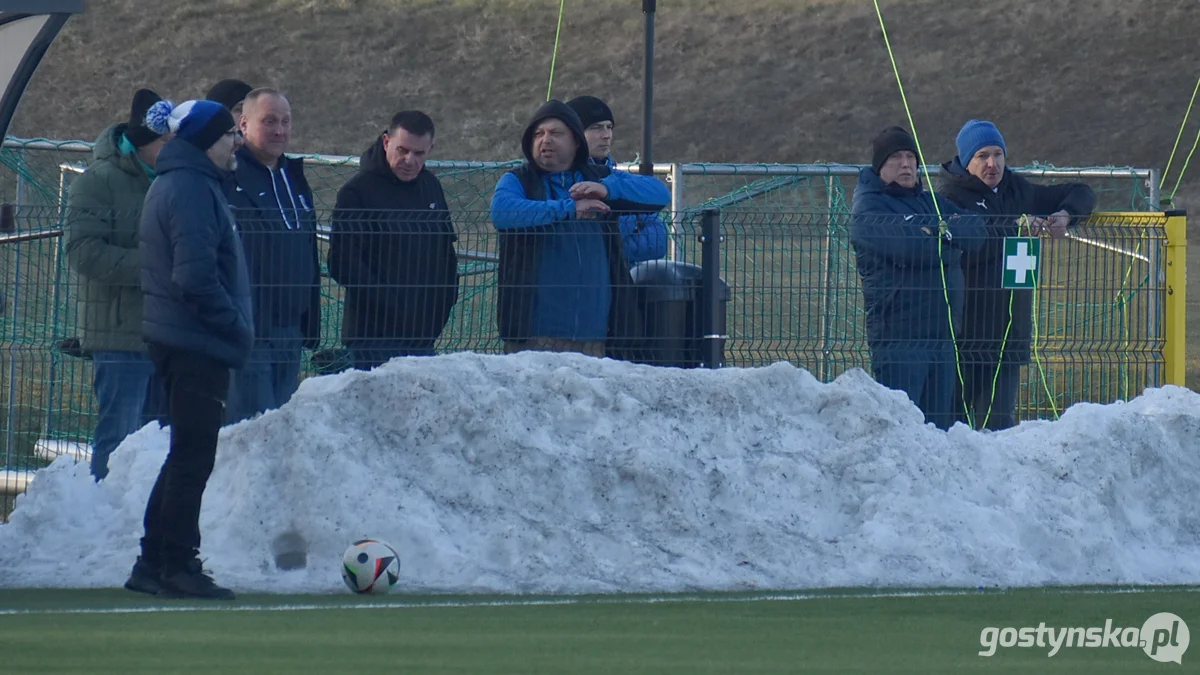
(200, 123)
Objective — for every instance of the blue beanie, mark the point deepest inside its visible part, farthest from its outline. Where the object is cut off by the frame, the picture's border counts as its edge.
(201, 123)
(974, 135)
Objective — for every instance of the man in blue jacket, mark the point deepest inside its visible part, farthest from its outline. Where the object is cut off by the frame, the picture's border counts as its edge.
(273, 206)
(564, 282)
(644, 234)
(912, 280)
(197, 324)
(997, 326)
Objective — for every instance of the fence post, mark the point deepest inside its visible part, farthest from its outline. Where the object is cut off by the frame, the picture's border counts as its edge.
(827, 305)
(1175, 319)
(675, 178)
(711, 328)
(10, 430)
(1152, 189)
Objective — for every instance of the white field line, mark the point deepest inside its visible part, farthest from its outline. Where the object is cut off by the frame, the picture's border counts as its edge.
(219, 606)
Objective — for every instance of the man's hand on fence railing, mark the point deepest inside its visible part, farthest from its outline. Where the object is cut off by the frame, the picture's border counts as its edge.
(1057, 224)
(589, 190)
(588, 208)
(1054, 225)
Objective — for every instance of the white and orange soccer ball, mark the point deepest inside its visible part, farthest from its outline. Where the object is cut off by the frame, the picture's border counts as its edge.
(370, 566)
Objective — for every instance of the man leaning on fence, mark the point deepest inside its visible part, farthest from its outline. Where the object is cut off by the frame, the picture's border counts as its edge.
(273, 207)
(104, 208)
(391, 247)
(912, 281)
(997, 324)
(564, 282)
(644, 234)
(198, 325)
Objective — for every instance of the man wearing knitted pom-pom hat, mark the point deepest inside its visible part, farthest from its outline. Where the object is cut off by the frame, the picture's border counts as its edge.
(104, 207)
(197, 323)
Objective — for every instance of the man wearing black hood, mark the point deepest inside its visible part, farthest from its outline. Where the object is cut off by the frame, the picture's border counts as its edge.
(564, 281)
(391, 247)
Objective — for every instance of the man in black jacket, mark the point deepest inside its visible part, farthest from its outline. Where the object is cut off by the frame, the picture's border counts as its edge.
(273, 206)
(391, 246)
(197, 323)
(997, 326)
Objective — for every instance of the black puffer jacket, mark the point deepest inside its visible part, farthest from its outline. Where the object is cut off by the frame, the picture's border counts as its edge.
(986, 306)
(193, 271)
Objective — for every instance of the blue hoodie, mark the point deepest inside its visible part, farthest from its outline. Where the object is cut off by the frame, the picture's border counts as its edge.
(894, 234)
(574, 285)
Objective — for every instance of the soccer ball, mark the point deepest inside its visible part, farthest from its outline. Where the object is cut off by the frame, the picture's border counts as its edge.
(370, 566)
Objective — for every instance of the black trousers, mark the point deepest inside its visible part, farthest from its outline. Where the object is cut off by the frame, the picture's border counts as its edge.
(990, 396)
(197, 387)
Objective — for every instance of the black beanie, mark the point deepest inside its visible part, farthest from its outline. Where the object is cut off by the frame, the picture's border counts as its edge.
(591, 110)
(889, 142)
(229, 92)
(137, 132)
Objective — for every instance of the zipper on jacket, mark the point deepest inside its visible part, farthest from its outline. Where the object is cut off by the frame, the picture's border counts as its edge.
(288, 188)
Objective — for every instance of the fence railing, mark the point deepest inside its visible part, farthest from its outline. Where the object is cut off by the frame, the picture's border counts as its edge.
(36, 169)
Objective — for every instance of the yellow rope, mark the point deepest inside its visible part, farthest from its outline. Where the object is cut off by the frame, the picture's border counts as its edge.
(943, 228)
(554, 55)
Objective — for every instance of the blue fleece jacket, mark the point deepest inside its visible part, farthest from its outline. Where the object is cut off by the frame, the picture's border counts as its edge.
(574, 290)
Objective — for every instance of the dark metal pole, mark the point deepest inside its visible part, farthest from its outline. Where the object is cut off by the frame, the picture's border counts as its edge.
(646, 168)
(712, 300)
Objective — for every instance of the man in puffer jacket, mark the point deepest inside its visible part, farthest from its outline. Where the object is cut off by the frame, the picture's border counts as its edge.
(104, 208)
(197, 323)
(997, 323)
(912, 281)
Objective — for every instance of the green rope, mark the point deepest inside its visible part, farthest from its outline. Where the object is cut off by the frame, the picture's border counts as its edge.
(943, 228)
(1186, 162)
(554, 55)
(1163, 180)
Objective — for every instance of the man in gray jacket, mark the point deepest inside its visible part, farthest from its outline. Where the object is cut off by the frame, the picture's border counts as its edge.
(197, 323)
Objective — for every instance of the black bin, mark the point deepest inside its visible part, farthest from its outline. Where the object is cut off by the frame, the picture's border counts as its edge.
(673, 312)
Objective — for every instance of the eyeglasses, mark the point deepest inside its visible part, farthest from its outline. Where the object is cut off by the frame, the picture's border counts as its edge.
(236, 133)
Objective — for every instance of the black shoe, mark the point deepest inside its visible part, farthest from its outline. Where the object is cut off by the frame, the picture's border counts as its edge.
(143, 578)
(192, 581)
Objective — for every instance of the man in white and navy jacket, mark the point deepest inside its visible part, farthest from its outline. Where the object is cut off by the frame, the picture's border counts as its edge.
(273, 206)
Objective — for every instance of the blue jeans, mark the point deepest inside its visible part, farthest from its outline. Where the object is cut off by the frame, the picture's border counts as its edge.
(121, 383)
(270, 377)
(368, 354)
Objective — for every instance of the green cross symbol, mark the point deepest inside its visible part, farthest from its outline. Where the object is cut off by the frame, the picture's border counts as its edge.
(1021, 256)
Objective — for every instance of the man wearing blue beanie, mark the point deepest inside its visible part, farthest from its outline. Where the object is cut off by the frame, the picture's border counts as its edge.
(997, 324)
(197, 325)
